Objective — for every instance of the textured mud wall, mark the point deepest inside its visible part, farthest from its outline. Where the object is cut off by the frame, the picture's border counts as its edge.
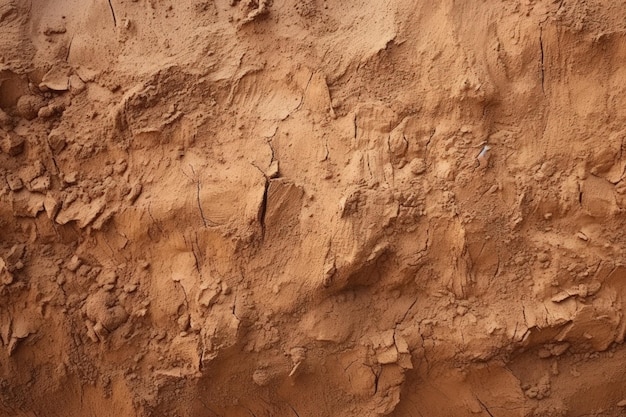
(312, 208)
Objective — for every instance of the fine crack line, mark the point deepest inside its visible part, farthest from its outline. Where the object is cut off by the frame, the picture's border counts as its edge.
(484, 407)
(69, 48)
(200, 205)
(263, 209)
(113, 14)
(263, 205)
(205, 221)
(294, 410)
(543, 68)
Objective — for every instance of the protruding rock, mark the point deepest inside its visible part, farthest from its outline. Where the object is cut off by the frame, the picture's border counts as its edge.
(15, 182)
(134, 193)
(76, 84)
(101, 309)
(12, 144)
(40, 184)
(387, 356)
(82, 213)
(73, 263)
(56, 79)
(57, 141)
(261, 377)
(273, 170)
(26, 204)
(417, 166)
(6, 277)
(28, 106)
(208, 296)
(52, 206)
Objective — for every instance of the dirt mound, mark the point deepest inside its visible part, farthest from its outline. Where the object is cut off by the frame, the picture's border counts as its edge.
(312, 208)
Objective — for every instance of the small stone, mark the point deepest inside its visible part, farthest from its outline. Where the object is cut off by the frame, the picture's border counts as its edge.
(57, 141)
(207, 297)
(6, 277)
(544, 353)
(389, 355)
(531, 392)
(261, 377)
(120, 167)
(183, 322)
(73, 264)
(70, 178)
(593, 287)
(26, 204)
(46, 112)
(622, 403)
(547, 216)
(56, 79)
(417, 166)
(40, 184)
(273, 170)
(5, 119)
(30, 172)
(15, 182)
(57, 29)
(52, 206)
(401, 344)
(582, 236)
(12, 144)
(543, 257)
(130, 288)
(559, 349)
(28, 106)
(561, 296)
(76, 84)
(134, 193)
(90, 331)
(100, 331)
(107, 278)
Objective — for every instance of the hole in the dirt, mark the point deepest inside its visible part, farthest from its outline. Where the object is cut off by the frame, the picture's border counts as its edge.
(12, 87)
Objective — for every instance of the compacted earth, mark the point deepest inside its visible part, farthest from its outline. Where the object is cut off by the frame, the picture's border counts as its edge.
(297, 208)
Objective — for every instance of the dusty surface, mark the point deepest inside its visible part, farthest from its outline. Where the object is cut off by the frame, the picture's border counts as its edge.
(312, 208)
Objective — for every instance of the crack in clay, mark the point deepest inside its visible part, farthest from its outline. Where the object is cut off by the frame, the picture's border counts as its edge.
(306, 88)
(204, 220)
(113, 13)
(482, 404)
(542, 59)
(263, 208)
(293, 409)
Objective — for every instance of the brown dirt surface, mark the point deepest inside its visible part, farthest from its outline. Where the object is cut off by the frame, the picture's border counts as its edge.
(310, 208)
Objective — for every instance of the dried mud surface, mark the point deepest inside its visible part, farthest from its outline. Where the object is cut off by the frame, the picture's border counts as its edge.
(312, 208)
